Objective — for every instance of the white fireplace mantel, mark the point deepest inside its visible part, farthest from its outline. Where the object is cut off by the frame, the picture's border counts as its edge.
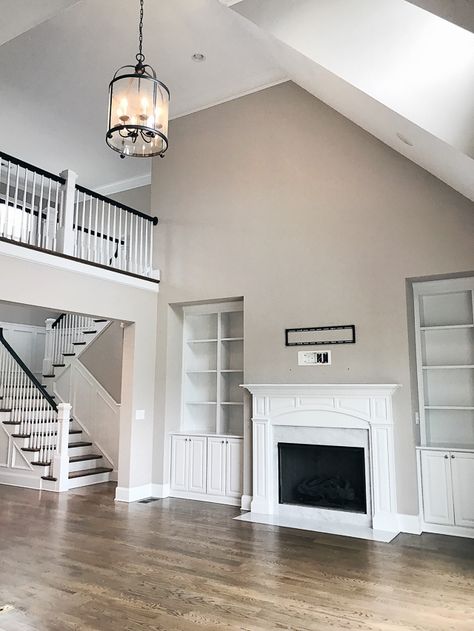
(347, 406)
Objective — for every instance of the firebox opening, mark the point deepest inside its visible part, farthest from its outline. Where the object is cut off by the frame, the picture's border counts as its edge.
(323, 476)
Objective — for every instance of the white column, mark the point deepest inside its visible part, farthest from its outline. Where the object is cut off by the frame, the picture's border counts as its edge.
(48, 347)
(66, 237)
(61, 455)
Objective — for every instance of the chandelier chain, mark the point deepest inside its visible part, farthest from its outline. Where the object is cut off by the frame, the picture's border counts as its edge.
(140, 57)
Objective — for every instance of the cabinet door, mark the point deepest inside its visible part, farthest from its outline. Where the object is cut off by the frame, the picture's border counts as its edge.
(437, 489)
(216, 469)
(197, 464)
(462, 467)
(179, 463)
(234, 467)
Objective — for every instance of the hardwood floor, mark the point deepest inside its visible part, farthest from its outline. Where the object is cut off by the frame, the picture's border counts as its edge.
(81, 562)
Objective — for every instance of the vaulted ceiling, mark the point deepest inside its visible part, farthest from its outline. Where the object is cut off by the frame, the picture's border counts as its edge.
(401, 70)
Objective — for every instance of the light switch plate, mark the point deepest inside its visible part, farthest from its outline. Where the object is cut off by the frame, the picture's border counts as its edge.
(140, 415)
(314, 358)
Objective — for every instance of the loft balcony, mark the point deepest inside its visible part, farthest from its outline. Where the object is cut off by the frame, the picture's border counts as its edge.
(51, 213)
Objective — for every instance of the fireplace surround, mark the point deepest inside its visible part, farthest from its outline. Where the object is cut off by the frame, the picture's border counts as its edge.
(358, 417)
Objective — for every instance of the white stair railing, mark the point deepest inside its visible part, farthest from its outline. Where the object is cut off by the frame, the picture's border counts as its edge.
(33, 412)
(64, 337)
(53, 213)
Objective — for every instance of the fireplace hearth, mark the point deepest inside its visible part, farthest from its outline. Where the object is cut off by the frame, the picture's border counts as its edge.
(322, 476)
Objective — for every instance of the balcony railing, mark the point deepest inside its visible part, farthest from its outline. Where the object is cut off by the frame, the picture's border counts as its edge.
(52, 213)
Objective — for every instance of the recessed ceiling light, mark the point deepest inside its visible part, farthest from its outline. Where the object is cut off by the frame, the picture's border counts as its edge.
(404, 139)
(198, 57)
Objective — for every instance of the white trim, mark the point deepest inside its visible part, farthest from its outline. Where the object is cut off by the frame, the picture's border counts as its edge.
(206, 497)
(49, 260)
(125, 185)
(160, 490)
(133, 493)
(453, 531)
(232, 98)
(26, 479)
(246, 502)
(410, 524)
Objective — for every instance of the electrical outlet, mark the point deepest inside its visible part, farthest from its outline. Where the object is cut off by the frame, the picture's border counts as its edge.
(314, 358)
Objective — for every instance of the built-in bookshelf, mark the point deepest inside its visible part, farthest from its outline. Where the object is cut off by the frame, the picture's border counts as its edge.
(444, 330)
(213, 341)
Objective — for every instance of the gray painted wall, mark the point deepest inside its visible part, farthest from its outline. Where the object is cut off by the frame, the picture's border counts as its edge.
(138, 198)
(277, 198)
(24, 314)
(103, 358)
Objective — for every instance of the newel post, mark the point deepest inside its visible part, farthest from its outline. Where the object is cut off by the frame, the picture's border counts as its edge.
(61, 455)
(48, 347)
(66, 235)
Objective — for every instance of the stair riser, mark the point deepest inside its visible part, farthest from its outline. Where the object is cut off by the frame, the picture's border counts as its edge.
(80, 451)
(90, 479)
(85, 464)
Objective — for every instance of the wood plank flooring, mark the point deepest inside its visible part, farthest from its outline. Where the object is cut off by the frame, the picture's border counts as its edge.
(80, 562)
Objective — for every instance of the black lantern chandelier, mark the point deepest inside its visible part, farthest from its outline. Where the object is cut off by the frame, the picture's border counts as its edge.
(138, 108)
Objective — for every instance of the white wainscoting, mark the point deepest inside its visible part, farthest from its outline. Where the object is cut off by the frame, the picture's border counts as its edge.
(28, 342)
(92, 407)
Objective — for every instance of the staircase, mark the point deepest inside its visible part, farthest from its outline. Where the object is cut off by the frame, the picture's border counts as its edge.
(45, 436)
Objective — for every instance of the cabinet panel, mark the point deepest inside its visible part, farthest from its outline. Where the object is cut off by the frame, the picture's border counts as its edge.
(234, 467)
(462, 467)
(197, 464)
(216, 471)
(436, 484)
(179, 463)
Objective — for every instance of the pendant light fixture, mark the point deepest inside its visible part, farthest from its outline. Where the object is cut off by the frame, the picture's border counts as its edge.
(138, 108)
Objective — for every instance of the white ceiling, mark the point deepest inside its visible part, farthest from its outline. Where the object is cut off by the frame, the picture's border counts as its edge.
(19, 16)
(402, 73)
(54, 77)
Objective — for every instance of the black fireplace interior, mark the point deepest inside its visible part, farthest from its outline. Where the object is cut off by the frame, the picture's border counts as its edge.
(325, 476)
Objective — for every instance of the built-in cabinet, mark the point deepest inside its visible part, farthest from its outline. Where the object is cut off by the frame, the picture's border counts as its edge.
(207, 468)
(444, 334)
(448, 496)
(206, 452)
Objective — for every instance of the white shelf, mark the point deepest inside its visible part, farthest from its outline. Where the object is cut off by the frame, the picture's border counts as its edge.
(449, 407)
(201, 402)
(446, 327)
(201, 372)
(452, 367)
(193, 432)
(212, 369)
(203, 341)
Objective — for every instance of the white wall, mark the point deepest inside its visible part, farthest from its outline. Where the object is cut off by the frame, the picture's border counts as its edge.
(103, 359)
(277, 198)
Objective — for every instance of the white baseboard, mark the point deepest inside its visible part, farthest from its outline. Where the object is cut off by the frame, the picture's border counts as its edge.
(26, 479)
(133, 493)
(410, 524)
(246, 502)
(160, 490)
(453, 531)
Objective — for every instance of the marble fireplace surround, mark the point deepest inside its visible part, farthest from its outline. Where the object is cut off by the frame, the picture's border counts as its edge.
(345, 414)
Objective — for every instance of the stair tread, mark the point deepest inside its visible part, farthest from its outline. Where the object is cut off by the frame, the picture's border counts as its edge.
(79, 343)
(85, 457)
(100, 320)
(89, 332)
(80, 443)
(86, 472)
(49, 477)
(39, 463)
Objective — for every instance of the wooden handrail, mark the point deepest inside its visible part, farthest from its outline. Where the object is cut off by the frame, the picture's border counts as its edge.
(31, 167)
